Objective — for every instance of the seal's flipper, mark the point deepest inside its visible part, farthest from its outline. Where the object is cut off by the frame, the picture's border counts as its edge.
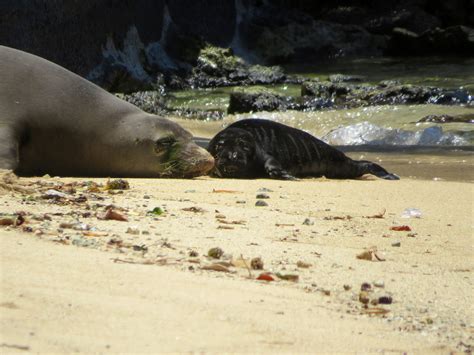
(8, 150)
(368, 167)
(275, 170)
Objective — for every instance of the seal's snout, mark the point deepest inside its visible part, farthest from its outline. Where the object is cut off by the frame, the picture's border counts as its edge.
(200, 162)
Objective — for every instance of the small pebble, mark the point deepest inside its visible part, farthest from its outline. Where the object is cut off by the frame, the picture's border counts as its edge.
(308, 222)
(379, 283)
(264, 189)
(262, 196)
(385, 300)
(241, 201)
(215, 253)
(303, 265)
(396, 244)
(256, 264)
(261, 203)
(146, 197)
(193, 253)
(347, 287)
(364, 297)
(365, 287)
(133, 230)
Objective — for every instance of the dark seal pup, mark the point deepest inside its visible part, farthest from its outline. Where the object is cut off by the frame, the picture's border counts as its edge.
(53, 121)
(255, 148)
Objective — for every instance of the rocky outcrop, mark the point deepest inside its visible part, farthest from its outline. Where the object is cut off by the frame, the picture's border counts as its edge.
(261, 99)
(220, 67)
(123, 45)
(354, 95)
(316, 95)
(451, 40)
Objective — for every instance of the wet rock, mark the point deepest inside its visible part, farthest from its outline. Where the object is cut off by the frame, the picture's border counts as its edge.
(261, 99)
(220, 67)
(356, 95)
(342, 78)
(467, 118)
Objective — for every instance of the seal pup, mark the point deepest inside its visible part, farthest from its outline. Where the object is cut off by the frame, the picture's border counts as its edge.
(56, 122)
(253, 148)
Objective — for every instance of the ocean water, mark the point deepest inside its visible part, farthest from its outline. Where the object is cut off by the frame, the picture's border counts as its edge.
(390, 134)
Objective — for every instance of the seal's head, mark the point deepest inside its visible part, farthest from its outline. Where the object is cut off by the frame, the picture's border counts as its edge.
(165, 149)
(234, 151)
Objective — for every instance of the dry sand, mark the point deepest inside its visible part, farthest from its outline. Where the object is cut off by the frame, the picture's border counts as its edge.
(64, 291)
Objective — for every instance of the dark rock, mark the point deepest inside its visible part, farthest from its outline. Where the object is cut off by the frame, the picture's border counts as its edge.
(467, 118)
(212, 20)
(325, 90)
(154, 102)
(220, 67)
(342, 78)
(403, 41)
(412, 18)
(149, 101)
(452, 40)
(302, 41)
(242, 102)
(350, 95)
(264, 100)
(385, 300)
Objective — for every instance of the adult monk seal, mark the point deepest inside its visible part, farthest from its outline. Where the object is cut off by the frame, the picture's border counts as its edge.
(53, 121)
(253, 148)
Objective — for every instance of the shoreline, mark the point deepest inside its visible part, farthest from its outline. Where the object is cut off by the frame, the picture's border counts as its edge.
(159, 298)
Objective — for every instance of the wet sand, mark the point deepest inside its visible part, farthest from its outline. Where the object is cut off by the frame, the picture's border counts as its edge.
(91, 286)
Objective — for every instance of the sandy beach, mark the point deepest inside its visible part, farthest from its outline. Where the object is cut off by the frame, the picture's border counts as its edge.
(73, 280)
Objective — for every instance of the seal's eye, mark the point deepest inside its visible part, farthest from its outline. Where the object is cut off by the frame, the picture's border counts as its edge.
(164, 144)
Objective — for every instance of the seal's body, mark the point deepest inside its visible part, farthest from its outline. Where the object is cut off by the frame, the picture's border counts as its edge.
(53, 121)
(255, 148)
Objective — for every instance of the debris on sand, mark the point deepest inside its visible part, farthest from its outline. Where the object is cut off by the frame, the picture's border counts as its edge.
(256, 263)
(265, 277)
(117, 184)
(111, 214)
(370, 254)
(403, 228)
(216, 267)
(215, 253)
(378, 215)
